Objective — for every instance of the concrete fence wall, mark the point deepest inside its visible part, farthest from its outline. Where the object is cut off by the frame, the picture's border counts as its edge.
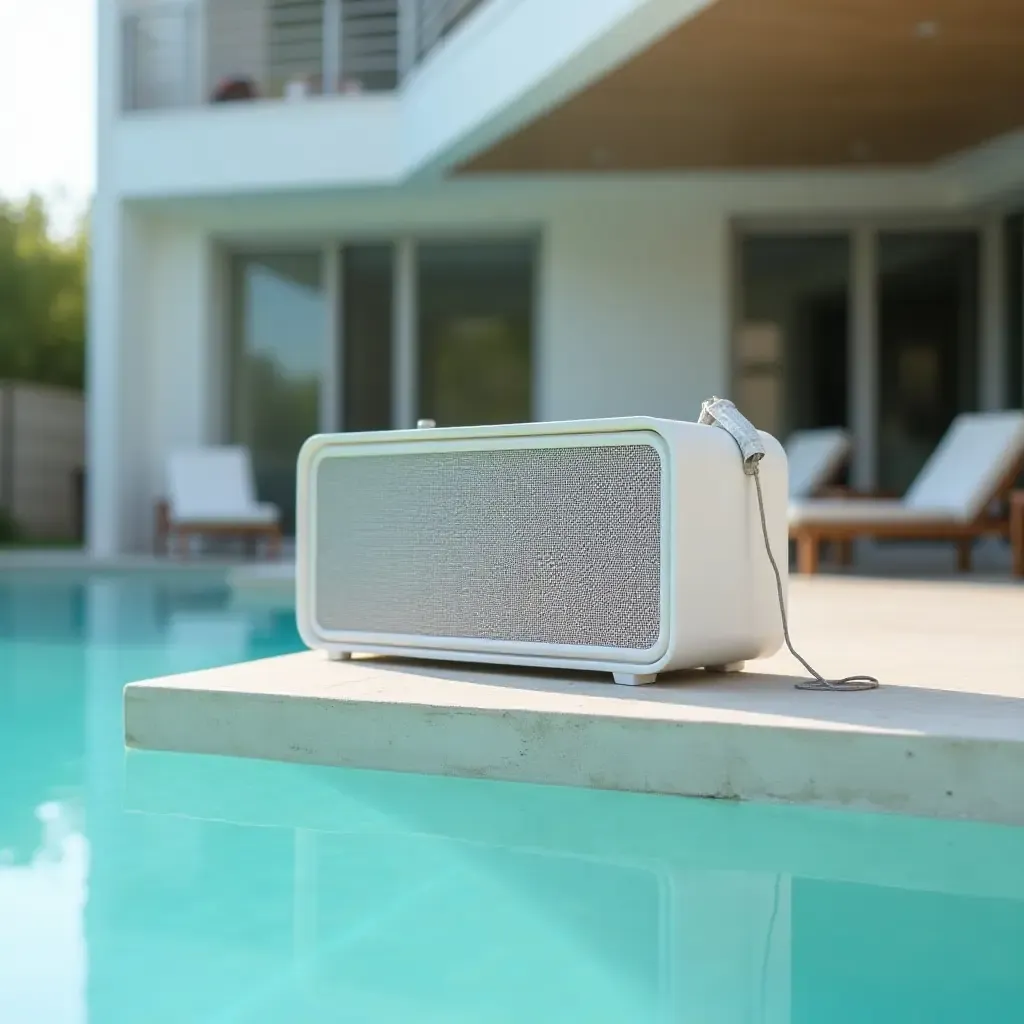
(42, 453)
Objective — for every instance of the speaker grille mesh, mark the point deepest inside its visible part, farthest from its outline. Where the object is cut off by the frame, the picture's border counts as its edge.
(544, 545)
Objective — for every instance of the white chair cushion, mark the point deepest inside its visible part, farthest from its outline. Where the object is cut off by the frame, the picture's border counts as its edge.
(861, 512)
(214, 485)
(815, 457)
(262, 514)
(977, 451)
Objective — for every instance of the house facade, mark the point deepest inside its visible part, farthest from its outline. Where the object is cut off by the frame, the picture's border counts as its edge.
(320, 215)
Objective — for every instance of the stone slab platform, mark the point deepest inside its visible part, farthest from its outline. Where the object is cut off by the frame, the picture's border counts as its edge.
(944, 737)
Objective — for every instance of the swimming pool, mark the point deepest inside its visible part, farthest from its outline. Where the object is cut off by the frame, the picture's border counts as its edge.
(161, 888)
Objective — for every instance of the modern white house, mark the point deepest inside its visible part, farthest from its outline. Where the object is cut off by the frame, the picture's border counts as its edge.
(349, 214)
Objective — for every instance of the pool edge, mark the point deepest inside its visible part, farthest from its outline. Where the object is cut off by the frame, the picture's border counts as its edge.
(723, 739)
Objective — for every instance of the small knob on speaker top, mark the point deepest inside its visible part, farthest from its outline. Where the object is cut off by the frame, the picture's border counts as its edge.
(425, 424)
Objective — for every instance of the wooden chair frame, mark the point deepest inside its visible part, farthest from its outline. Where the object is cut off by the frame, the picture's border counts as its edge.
(1017, 531)
(810, 536)
(170, 535)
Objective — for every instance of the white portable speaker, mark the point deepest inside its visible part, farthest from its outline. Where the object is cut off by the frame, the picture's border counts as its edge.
(631, 546)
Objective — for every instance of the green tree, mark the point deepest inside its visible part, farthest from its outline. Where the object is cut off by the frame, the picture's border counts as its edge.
(42, 297)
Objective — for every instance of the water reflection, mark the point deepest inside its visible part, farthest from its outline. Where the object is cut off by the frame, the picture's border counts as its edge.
(42, 942)
(168, 889)
(363, 896)
(66, 649)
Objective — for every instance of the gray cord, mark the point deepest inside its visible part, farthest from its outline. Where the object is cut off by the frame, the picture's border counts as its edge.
(723, 413)
(819, 682)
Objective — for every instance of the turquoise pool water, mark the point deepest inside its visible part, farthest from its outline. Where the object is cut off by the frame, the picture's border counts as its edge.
(157, 888)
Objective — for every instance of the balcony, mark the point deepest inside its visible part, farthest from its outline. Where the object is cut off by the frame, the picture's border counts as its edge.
(264, 97)
(187, 53)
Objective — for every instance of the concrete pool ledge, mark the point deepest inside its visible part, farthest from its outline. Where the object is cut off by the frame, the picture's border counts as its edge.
(933, 742)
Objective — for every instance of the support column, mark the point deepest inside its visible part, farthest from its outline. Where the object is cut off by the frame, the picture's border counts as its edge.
(332, 417)
(102, 518)
(404, 383)
(333, 28)
(863, 383)
(992, 351)
(216, 425)
(116, 377)
(197, 83)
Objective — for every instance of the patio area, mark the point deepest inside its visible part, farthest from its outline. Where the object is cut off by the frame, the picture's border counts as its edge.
(943, 737)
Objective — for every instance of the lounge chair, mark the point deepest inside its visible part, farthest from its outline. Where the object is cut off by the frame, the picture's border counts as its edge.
(974, 465)
(211, 493)
(815, 458)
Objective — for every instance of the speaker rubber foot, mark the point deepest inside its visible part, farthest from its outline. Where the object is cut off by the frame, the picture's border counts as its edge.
(339, 655)
(632, 679)
(729, 666)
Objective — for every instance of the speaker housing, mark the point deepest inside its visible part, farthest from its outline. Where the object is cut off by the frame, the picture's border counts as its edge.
(629, 545)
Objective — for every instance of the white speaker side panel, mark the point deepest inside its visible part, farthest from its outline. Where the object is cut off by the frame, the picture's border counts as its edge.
(724, 597)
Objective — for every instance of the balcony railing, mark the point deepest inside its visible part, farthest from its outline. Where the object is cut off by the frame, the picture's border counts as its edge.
(435, 19)
(188, 52)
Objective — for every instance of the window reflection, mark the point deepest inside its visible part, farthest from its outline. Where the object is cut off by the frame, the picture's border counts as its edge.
(368, 311)
(278, 337)
(792, 338)
(475, 331)
(927, 341)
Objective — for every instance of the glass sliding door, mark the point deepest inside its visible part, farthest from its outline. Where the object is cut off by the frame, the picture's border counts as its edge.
(790, 352)
(367, 289)
(278, 324)
(475, 307)
(927, 344)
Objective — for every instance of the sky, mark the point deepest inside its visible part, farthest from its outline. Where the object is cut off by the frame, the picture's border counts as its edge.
(47, 98)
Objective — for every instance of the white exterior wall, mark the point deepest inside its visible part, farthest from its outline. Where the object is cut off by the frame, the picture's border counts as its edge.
(634, 292)
(156, 380)
(236, 148)
(184, 375)
(120, 354)
(635, 313)
(632, 318)
(634, 283)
